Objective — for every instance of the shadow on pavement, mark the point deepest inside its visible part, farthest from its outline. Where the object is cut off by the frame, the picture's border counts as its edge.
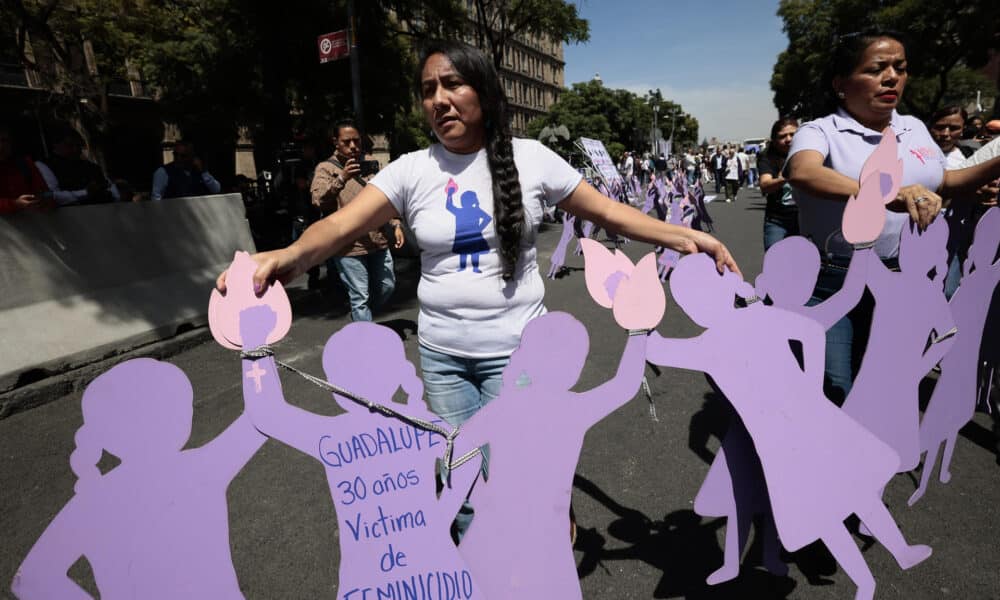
(680, 545)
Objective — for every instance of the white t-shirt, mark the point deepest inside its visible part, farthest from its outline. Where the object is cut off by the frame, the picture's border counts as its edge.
(954, 159)
(987, 152)
(733, 168)
(447, 200)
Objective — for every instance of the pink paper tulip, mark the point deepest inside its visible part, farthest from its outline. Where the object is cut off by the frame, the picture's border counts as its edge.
(224, 310)
(633, 292)
(864, 215)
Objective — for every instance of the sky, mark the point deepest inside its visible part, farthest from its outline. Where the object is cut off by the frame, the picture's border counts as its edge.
(714, 58)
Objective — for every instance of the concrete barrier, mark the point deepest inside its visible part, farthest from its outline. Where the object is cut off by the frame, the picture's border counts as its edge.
(81, 283)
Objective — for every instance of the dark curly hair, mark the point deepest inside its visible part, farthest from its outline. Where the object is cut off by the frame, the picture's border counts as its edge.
(508, 209)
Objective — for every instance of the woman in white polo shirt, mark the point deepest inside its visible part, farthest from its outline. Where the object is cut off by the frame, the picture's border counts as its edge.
(868, 76)
(474, 202)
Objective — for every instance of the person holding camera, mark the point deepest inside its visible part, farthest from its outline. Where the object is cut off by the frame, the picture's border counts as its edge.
(365, 266)
(21, 185)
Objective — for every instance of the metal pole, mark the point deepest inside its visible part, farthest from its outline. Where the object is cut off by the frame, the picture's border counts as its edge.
(359, 115)
(656, 111)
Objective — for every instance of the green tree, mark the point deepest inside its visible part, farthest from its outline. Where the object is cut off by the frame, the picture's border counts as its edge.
(619, 118)
(497, 22)
(947, 42)
(216, 65)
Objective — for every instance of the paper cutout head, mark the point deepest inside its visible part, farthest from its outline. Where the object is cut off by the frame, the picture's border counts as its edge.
(789, 272)
(983, 251)
(881, 176)
(921, 251)
(344, 358)
(224, 310)
(138, 408)
(633, 292)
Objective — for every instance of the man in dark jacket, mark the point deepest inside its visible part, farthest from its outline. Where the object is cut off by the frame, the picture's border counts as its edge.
(185, 176)
(73, 179)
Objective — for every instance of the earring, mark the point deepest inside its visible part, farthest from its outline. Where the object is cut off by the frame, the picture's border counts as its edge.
(841, 95)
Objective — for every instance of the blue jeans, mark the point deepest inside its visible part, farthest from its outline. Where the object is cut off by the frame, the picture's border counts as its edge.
(775, 231)
(847, 339)
(372, 271)
(455, 388)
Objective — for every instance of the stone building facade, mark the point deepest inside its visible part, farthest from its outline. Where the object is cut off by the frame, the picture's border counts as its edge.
(533, 77)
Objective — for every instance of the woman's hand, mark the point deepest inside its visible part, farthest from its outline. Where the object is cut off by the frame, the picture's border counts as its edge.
(698, 241)
(922, 204)
(987, 195)
(282, 265)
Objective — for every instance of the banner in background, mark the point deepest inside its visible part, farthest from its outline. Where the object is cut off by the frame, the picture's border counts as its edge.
(602, 161)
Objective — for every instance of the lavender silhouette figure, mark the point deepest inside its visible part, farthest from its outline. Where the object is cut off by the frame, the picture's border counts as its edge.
(518, 546)
(156, 525)
(659, 199)
(910, 311)
(559, 254)
(668, 257)
(649, 198)
(586, 232)
(820, 466)
(734, 487)
(381, 470)
(953, 401)
(701, 220)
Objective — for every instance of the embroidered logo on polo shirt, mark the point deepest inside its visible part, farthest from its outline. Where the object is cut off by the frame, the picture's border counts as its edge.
(923, 153)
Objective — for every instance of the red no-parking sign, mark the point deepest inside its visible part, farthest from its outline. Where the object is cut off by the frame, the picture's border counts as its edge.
(333, 46)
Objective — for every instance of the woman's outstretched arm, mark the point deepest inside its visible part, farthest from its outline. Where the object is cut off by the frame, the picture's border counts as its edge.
(587, 203)
(369, 210)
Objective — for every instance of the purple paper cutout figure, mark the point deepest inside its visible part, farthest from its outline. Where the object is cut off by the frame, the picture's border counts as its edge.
(820, 466)
(910, 309)
(734, 487)
(953, 401)
(381, 470)
(668, 257)
(650, 197)
(587, 231)
(559, 254)
(701, 211)
(518, 545)
(156, 525)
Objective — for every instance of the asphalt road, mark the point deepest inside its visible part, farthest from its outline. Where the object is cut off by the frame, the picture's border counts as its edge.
(633, 494)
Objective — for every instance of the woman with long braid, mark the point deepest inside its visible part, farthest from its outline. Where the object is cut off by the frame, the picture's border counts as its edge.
(471, 319)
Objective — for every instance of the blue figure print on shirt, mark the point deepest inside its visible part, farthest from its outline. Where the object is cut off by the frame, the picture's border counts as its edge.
(470, 221)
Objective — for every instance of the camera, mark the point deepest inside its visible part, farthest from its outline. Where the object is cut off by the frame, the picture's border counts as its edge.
(369, 167)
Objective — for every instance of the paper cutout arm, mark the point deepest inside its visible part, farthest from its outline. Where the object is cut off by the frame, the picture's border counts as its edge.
(938, 348)
(678, 353)
(833, 309)
(43, 574)
(876, 274)
(262, 394)
(232, 449)
(606, 398)
(462, 479)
